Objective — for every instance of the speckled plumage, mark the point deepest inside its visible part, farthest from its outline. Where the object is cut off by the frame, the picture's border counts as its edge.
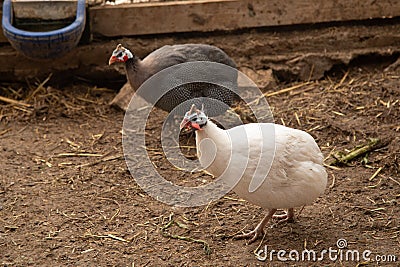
(139, 71)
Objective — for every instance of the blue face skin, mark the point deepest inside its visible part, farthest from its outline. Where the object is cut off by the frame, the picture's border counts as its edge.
(194, 121)
(120, 54)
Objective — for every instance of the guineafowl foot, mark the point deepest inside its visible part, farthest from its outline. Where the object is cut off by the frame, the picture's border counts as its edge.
(254, 235)
(259, 230)
(287, 217)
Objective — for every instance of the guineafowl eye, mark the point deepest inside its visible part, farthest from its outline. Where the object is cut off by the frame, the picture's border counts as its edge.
(119, 54)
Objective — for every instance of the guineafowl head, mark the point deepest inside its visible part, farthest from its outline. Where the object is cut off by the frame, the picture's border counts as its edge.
(120, 54)
(194, 119)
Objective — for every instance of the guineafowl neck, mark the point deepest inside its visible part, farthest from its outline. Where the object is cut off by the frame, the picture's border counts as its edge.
(210, 130)
(135, 72)
(220, 143)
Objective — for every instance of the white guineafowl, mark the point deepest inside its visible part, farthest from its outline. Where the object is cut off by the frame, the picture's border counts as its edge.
(292, 175)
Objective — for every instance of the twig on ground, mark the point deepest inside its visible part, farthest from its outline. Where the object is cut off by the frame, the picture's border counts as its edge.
(40, 87)
(284, 90)
(206, 246)
(14, 102)
(106, 236)
(61, 155)
(101, 161)
(356, 152)
(376, 173)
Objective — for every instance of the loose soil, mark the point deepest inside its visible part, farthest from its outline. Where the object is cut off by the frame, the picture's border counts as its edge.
(68, 199)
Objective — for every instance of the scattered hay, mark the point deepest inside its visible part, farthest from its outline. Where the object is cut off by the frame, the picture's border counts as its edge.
(38, 101)
(171, 222)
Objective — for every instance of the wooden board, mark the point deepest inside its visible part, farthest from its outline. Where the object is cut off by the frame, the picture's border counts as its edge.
(206, 15)
(187, 16)
(293, 54)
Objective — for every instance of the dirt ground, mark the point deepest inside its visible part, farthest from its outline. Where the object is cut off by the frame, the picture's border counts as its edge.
(68, 199)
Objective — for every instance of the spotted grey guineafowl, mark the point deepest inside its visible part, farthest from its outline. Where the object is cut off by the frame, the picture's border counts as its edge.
(200, 93)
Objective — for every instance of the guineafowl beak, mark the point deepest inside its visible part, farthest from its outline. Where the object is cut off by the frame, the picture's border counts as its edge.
(196, 126)
(112, 60)
(189, 125)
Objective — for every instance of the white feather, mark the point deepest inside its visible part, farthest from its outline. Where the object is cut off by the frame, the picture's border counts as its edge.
(291, 163)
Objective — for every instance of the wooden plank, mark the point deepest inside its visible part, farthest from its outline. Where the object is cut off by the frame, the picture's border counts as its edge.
(293, 54)
(186, 16)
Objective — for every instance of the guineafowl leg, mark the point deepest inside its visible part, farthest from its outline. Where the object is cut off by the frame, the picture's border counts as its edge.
(259, 230)
(287, 217)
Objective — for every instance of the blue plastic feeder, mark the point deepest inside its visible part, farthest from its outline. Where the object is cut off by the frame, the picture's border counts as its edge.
(43, 44)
